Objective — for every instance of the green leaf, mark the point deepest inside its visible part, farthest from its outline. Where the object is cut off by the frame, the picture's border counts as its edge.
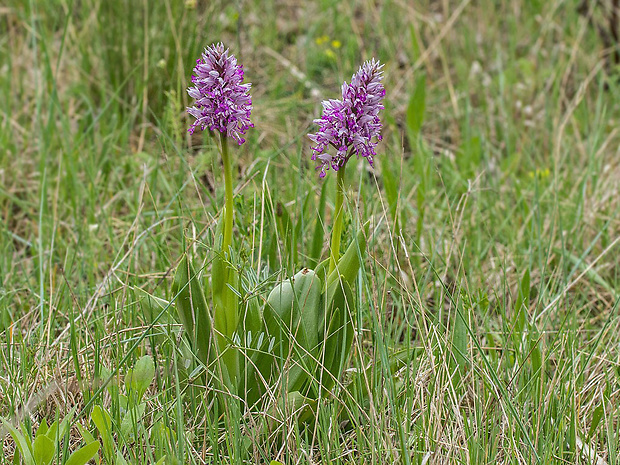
(415, 47)
(43, 450)
(218, 267)
(321, 270)
(112, 387)
(286, 229)
(292, 317)
(597, 416)
(131, 418)
(339, 335)
(349, 263)
(254, 358)
(83, 454)
(226, 321)
(103, 422)
(295, 403)
(141, 376)
(193, 311)
(86, 435)
(417, 107)
(52, 430)
(23, 444)
(295, 305)
(120, 460)
(65, 424)
(459, 338)
(152, 307)
(42, 428)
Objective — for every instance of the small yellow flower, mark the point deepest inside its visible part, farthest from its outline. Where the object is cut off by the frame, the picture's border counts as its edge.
(336, 44)
(329, 53)
(321, 40)
(191, 4)
(540, 174)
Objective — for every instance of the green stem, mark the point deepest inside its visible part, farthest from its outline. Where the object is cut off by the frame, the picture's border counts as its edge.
(228, 209)
(337, 229)
(223, 304)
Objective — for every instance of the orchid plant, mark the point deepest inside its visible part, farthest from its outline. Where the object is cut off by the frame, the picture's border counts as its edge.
(300, 337)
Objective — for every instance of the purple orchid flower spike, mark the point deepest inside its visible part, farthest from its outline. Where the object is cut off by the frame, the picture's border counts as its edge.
(223, 103)
(352, 124)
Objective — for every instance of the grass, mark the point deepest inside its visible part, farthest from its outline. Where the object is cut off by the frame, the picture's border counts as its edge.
(495, 204)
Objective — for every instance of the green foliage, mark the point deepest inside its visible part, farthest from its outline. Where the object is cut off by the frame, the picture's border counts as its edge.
(47, 444)
(416, 108)
(301, 338)
(131, 410)
(192, 309)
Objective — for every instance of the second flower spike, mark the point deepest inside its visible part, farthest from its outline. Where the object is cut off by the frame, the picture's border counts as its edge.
(351, 124)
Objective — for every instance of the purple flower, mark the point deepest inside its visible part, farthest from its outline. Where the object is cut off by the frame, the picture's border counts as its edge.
(351, 125)
(223, 103)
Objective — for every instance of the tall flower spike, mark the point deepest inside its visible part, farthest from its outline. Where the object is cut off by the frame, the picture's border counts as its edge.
(352, 124)
(223, 103)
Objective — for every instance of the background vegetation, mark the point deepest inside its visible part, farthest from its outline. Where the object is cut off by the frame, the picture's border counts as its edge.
(493, 271)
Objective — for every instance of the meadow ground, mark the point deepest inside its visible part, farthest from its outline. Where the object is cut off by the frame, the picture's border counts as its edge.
(488, 328)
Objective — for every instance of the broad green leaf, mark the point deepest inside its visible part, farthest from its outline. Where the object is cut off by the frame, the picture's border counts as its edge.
(469, 156)
(42, 428)
(304, 408)
(103, 422)
(43, 450)
(192, 309)
(123, 401)
(218, 266)
(141, 376)
(52, 431)
(292, 317)
(83, 454)
(296, 304)
(226, 320)
(23, 444)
